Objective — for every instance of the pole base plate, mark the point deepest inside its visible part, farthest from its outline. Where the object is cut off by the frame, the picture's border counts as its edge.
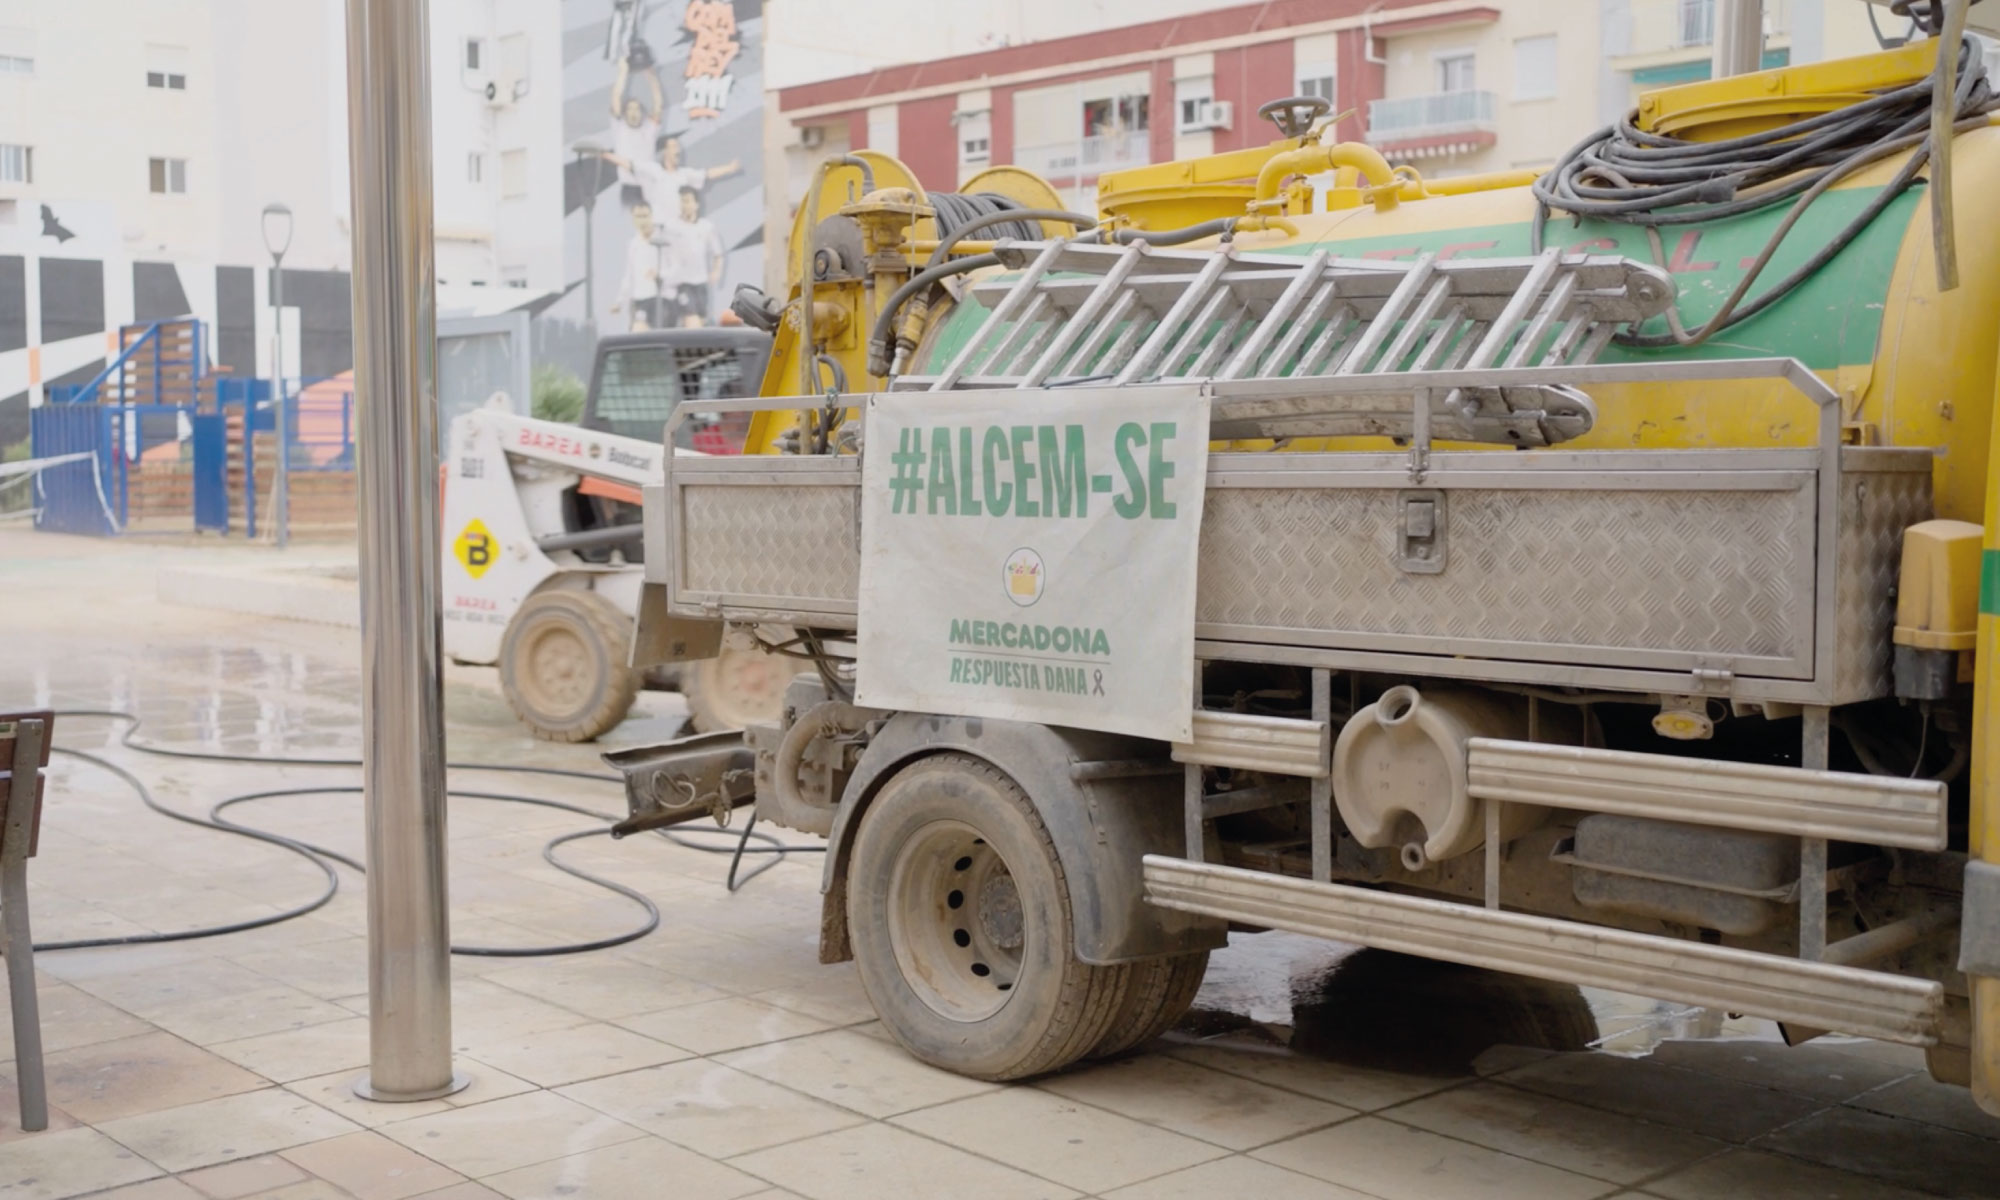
(367, 1090)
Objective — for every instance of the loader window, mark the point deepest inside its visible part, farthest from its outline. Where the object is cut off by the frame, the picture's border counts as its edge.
(713, 373)
(637, 391)
(639, 386)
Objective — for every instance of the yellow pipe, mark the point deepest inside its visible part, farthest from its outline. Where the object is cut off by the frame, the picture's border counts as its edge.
(1459, 185)
(1311, 160)
(1260, 222)
(923, 248)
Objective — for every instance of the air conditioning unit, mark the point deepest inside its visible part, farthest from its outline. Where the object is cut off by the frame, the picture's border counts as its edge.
(1209, 114)
(504, 91)
(812, 136)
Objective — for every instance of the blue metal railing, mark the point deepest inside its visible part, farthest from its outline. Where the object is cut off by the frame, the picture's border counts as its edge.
(95, 496)
(92, 391)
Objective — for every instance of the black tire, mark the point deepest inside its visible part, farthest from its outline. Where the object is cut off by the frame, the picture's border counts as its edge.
(952, 867)
(1162, 991)
(736, 689)
(563, 665)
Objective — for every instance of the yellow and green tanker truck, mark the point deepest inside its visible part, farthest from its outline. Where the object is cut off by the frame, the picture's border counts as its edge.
(1591, 575)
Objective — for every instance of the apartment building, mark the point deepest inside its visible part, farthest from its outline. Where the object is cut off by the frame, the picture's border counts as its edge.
(140, 143)
(1074, 107)
(1515, 84)
(1448, 87)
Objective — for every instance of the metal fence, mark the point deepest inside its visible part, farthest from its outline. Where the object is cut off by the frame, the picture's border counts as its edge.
(94, 495)
(213, 442)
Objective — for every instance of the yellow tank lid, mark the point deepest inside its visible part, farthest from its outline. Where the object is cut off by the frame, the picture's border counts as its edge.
(1714, 109)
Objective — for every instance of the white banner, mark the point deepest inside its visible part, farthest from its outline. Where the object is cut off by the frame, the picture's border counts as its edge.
(1030, 555)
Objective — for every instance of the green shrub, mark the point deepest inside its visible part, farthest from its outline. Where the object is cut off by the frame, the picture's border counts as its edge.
(557, 394)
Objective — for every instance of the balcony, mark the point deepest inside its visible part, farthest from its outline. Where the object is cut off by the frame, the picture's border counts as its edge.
(1436, 124)
(1086, 158)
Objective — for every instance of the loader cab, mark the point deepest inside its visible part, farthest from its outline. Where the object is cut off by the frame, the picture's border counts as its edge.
(639, 378)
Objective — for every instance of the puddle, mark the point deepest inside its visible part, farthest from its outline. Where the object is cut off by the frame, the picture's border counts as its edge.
(1392, 1011)
(1371, 1008)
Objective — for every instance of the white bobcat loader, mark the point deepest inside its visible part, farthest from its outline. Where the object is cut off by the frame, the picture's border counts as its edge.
(542, 553)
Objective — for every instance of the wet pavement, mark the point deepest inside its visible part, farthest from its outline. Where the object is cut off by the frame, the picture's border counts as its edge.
(715, 1058)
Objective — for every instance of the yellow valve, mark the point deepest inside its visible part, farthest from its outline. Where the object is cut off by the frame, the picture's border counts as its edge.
(1311, 160)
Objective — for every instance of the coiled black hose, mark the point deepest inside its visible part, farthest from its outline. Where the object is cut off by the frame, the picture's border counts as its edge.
(323, 858)
(1627, 175)
(956, 209)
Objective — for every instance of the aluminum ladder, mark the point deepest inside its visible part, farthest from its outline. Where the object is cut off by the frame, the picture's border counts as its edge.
(1084, 314)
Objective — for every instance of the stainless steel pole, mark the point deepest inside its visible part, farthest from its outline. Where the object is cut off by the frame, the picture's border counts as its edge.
(402, 702)
(281, 515)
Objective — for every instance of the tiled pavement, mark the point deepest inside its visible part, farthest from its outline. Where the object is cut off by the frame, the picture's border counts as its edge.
(715, 1058)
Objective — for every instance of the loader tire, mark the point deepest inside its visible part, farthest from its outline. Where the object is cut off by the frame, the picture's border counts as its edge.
(563, 665)
(735, 690)
(1162, 991)
(962, 931)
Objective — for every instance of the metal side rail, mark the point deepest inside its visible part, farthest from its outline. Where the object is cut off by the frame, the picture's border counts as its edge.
(1814, 994)
(1836, 805)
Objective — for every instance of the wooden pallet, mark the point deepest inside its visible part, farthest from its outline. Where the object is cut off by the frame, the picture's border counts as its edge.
(321, 502)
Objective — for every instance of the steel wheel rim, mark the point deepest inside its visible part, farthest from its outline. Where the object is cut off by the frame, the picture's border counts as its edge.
(559, 668)
(955, 921)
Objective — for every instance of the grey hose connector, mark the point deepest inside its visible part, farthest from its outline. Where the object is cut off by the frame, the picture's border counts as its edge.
(884, 334)
(1178, 237)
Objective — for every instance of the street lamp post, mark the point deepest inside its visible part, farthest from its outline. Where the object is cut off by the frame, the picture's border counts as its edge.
(584, 148)
(278, 239)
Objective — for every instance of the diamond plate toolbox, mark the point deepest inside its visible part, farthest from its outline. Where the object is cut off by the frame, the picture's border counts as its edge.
(1678, 561)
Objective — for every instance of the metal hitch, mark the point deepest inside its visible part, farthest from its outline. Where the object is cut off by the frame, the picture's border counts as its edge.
(707, 774)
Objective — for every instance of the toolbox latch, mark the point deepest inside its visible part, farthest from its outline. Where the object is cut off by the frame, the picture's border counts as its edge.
(1420, 531)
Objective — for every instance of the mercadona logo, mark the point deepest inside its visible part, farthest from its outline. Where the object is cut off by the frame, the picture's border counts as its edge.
(1024, 576)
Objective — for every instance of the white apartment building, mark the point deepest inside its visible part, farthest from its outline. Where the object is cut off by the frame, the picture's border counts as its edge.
(1515, 83)
(1450, 86)
(141, 140)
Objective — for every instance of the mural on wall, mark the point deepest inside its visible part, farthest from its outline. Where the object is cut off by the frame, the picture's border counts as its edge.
(663, 118)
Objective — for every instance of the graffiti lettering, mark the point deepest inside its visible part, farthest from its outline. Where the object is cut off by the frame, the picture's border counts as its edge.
(713, 23)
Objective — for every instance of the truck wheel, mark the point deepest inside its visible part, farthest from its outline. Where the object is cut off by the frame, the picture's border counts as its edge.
(1162, 991)
(738, 689)
(563, 665)
(961, 926)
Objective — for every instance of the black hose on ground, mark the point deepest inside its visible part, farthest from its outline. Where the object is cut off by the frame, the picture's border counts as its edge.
(323, 858)
(1628, 175)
